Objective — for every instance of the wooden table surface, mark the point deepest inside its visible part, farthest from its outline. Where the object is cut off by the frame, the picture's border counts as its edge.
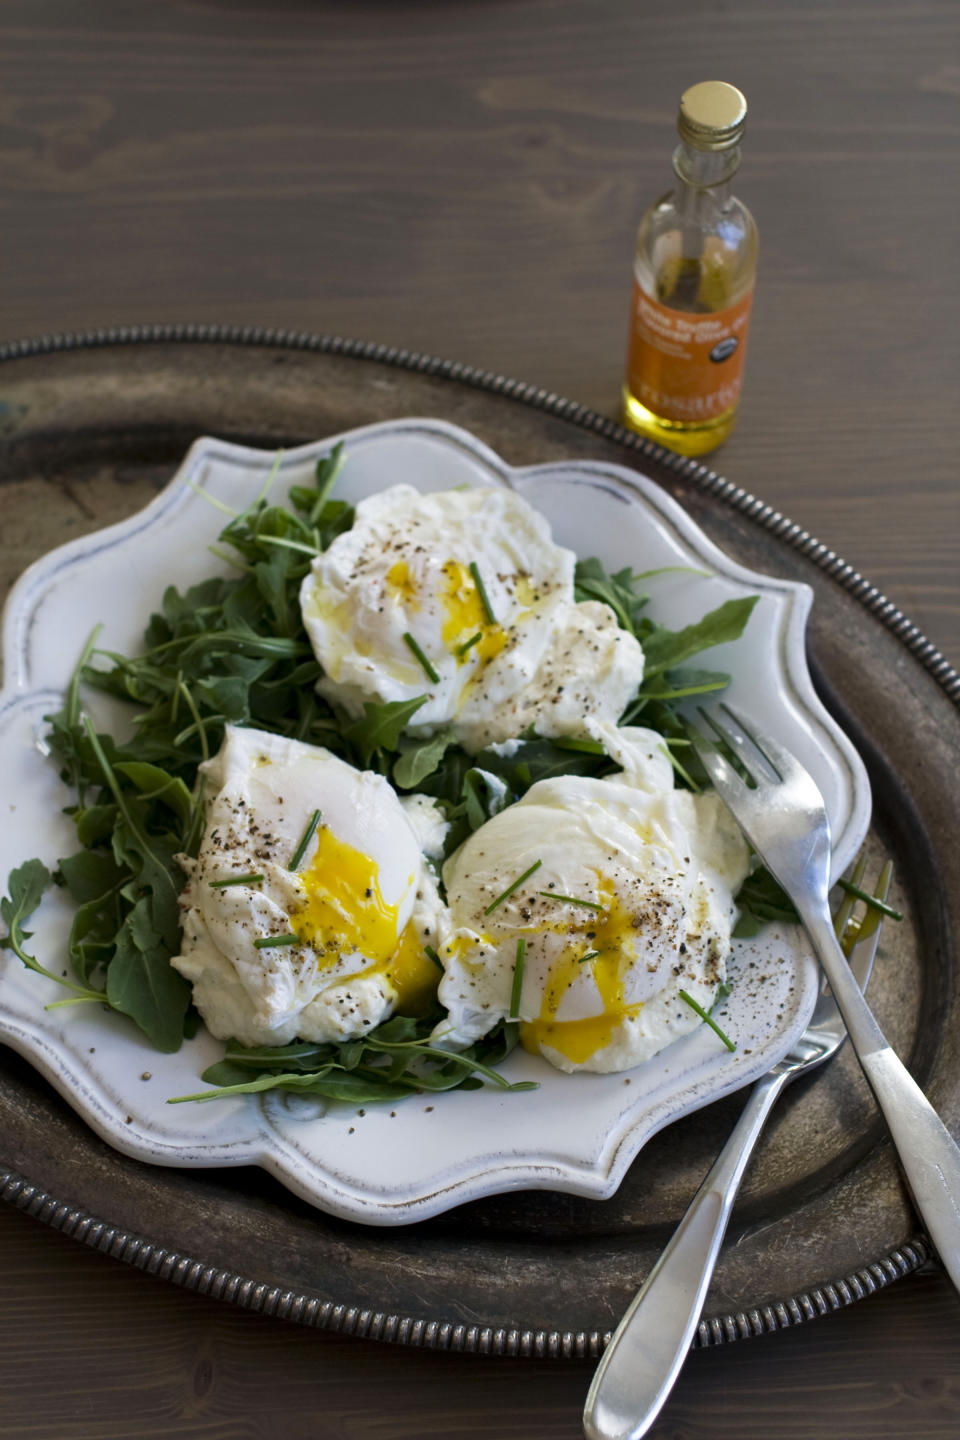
(465, 179)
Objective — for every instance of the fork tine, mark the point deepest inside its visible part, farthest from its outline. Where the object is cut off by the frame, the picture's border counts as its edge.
(781, 761)
(721, 772)
(741, 744)
(747, 744)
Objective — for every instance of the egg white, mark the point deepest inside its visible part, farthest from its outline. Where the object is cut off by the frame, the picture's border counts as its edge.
(342, 977)
(407, 594)
(657, 869)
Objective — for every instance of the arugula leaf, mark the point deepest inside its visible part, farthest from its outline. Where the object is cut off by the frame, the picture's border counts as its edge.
(380, 727)
(666, 649)
(592, 582)
(89, 874)
(396, 1059)
(681, 684)
(537, 759)
(761, 901)
(149, 858)
(94, 881)
(157, 784)
(143, 984)
(326, 1082)
(481, 799)
(26, 885)
(272, 576)
(315, 501)
(420, 758)
(93, 933)
(140, 980)
(94, 824)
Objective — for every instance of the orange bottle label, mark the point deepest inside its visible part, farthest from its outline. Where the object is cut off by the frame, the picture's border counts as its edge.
(686, 367)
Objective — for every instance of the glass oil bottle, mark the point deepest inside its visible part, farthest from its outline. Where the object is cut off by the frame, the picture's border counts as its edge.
(693, 285)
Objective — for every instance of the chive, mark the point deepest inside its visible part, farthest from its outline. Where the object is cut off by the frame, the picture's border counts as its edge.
(482, 592)
(590, 955)
(871, 921)
(707, 1019)
(428, 669)
(266, 942)
(518, 977)
(871, 901)
(235, 880)
(461, 650)
(305, 839)
(684, 774)
(847, 930)
(515, 886)
(570, 900)
(431, 954)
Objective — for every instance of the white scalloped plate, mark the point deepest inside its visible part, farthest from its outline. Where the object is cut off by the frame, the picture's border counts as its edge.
(392, 1164)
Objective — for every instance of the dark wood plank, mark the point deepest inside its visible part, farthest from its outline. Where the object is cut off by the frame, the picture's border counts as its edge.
(127, 1354)
(465, 180)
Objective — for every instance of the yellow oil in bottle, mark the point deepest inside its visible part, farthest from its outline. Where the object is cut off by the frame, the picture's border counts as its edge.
(693, 286)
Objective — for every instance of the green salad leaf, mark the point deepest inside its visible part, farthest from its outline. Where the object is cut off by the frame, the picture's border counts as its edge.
(396, 1059)
(762, 902)
(593, 582)
(666, 649)
(26, 885)
(379, 729)
(419, 758)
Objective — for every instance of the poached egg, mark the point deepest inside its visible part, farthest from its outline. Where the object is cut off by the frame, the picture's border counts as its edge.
(463, 596)
(297, 925)
(625, 898)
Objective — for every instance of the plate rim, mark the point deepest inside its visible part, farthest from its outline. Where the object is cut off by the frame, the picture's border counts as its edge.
(902, 1260)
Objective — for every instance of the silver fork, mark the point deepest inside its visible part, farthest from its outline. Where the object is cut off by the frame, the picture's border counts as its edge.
(785, 820)
(640, 1365)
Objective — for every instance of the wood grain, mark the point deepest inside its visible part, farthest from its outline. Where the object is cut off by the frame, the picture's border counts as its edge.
(466, 180)
(132, 1355)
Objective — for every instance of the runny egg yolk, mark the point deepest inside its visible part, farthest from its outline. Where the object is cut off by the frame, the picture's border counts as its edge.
(403, 585)
(345, 913)
(466, 617)
(412, 974)
(613, 934)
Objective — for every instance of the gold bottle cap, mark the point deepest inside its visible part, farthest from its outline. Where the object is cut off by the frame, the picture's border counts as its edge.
(712, 116)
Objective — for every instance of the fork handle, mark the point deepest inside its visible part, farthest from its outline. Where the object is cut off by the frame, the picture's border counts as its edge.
(646, 1353)
(928, 1154)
